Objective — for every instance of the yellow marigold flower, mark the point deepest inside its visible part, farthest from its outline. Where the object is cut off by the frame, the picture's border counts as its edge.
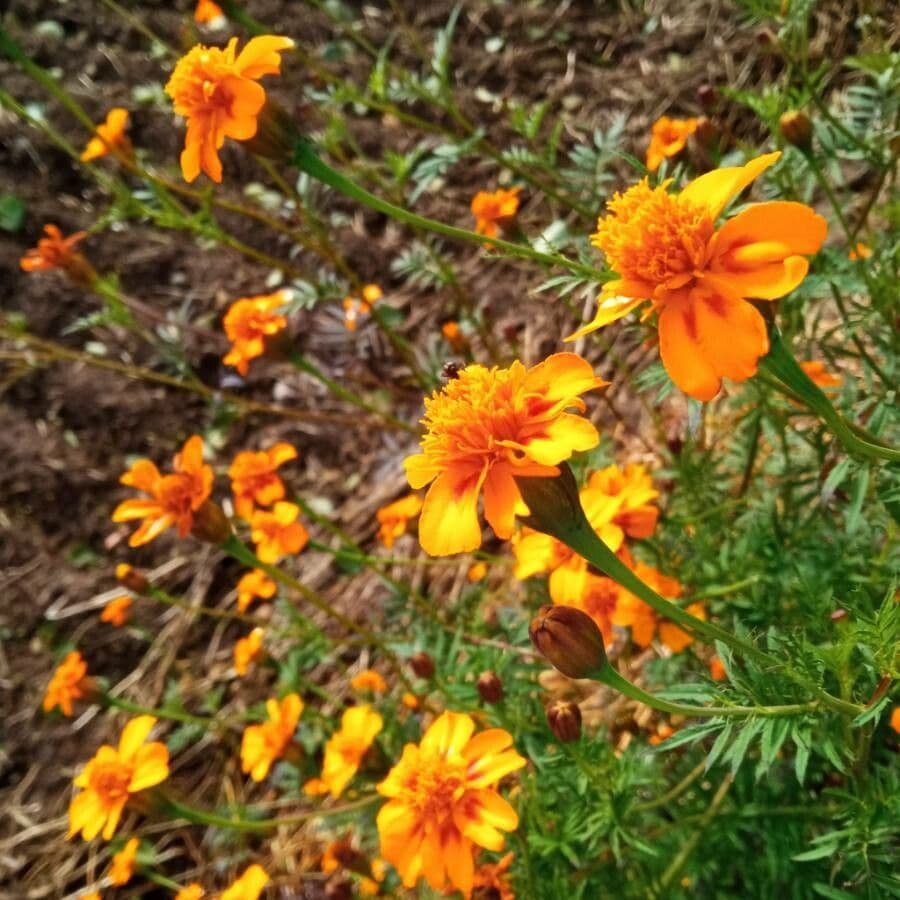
(368, 680)
(218, 92)
(819, 375)
(249, 886)
(254, 477)
(248, 322)
(277, 532)
(262, 744)
(172, 499)
(207, 12)
(53, 251)
(484, 427)
(666, 249)
(122, 867)
(443, 801)
(617, 502)
(69, 682)
(667, 138)
(346, 748)
(253, 585)
(112, 776)
(118, 611)
(192, 891)
(110, 137)
(247, 650)
(493, 879)
(409, 700)
(860, 251)
(476, 572)
(493, 210)
(895, 719)
(393, 518)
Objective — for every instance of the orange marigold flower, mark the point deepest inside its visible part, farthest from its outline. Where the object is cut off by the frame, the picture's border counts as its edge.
(277, 532)
(112, 776)
(666, 249)
(663, 732)
(819, 375)
(895, 719)
(110, 137)
(717, 669)
(860, 251)
(493, 879)
(409, 700)
(174, 499)
(394, 518)
(94, 895)
(254, 584)
(315, 787)
(443, 801)
(368, 680)
(249, 886)
(476, 572)
(118, 611)
(599, 599)
(493, 210)
(218, 92)
(53, 251)
(248, 322)
(453, 335)
(667, 138)
(69, 682)
(122, 867)
(207, 12)
(484, 427)
(346, 748)
(247, 650)
(254, 477)
(262, 744)
(192, 891)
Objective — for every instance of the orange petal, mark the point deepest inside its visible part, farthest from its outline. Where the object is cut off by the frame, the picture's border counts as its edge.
(134, 734)
(716, 189)
(562, 377)
(798, 227)
(449, 520)
(261, 56)
(609, 308)
(420, 470)
(450, 731)
(563, 436)
(502, 501)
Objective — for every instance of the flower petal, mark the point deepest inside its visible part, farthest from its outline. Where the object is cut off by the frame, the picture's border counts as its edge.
(261, 56)
(450, 731)
(609, 309)
(449, 520)
(134, 734)
(716, 189)
(562, 437)
(562, 377)
(502, 501)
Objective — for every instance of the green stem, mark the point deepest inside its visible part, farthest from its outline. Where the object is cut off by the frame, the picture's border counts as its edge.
(674, 792)
(173, 715)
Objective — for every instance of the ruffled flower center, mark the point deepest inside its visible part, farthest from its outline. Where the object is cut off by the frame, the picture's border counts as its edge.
(110, 780)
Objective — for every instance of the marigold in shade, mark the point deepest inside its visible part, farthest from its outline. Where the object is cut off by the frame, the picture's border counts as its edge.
(494, 209)
(443, 802)
(218, 92)
(666, 249)
(493, 879)
(345, 749)
(819, 375)
(277, 532)
(112, 776)
(192, 891)
(69, 682)
(207, 12)
(254, 477)
(248, 322)
(254, 585)
(53, 251)
(118, 611)
(247, 650)
(265, 743)
(249, 886)
(717, 669)
(487, 426)
(393, 519)
(173, 499)
(368, 680)
(122, 867)
(668, 138)
(110, 137)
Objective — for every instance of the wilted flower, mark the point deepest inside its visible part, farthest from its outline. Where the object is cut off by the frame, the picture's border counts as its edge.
(110, 137)
(247, 650)
(118, 611)
(667, 138)
(492, 880)
(666, 249)
(819, 375)
(254, 584)
(368, 680)
(394, 518)
(443, 801)
(112, 776)
(277, 532)
(69, 682)
(249, 886)
(262, 744)
(254, 477)
(207, 12)
(122, 867)
(483, 428)
(248, 322)
(494, 210)
(345, 749)
(53, 251)
(218, 92)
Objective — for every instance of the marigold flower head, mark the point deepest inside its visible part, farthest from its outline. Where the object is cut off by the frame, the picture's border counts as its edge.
(494, 209)
(409, 700)
(315, 787)
(394, 518)
(668, 138)
(122, 867)
(112, 776)
(819, 375)
(476, 572)
(118, 611)
(53, 251)
(487, 426)
(666, 249)
(218, 92)
(207, 12)
(254, 477)
(454, 335)
(249, 886)
(277, 532)
(110, 137)
(443, 801)
(247, 650)
(69, 682)
(345, 749)
(248, 322)
(860, 251)
(255, 584)
(368, 680)
(192, 891)
(263, 744)
(493, 879)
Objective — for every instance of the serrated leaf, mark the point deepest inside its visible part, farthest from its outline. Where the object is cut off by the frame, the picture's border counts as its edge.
(719, 747)
(801, 760)
(690, 734)
(738, 749)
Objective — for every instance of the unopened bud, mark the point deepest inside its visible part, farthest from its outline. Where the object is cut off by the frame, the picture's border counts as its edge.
(490, 687)
(564, 719)
(569, 640)
(130, 578)
(422, 664)
(706, 96)
(796, 128)
(211, 524)
(553, 503)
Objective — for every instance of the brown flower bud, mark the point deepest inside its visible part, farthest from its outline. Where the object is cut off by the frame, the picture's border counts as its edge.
(568, 639)
(706, 132)
(211, 524)
(564, 719)
(796, 128)
(706, 96)
(490, 687)
(338, 890)
(130, 578)
(422, 664)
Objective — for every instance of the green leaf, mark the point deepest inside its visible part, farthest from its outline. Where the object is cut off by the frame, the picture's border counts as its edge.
(12, 213)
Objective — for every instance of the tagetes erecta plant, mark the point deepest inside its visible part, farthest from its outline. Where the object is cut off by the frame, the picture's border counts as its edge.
(265, 743)
(248, 323)
(113, 776)
(668, 138)
(666, 250)
(70, 682)
(122, 867)
(247, 650)
(218, 92)
(207, 12)
(53, 251)
(111, 136)
(443, 802)
(487, 426)
(277, 532)
(118, 611)
(254, 477)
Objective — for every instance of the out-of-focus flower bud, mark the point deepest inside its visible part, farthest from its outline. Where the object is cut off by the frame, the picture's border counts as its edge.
(211, 524)
(490, 687)
(422, 664)
(839, 615)
(568, 639)
(796, 128)
(707, 96)
(706, 132)
(130, 578)
(564, 719)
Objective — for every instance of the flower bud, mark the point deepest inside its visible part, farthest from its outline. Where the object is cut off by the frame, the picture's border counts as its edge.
(211, 524)
(490, 687)
(564, 719)
(706, 96)
(130, 578)
(422, 664)
(569, 640)
(796, 128)
(553, 503)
